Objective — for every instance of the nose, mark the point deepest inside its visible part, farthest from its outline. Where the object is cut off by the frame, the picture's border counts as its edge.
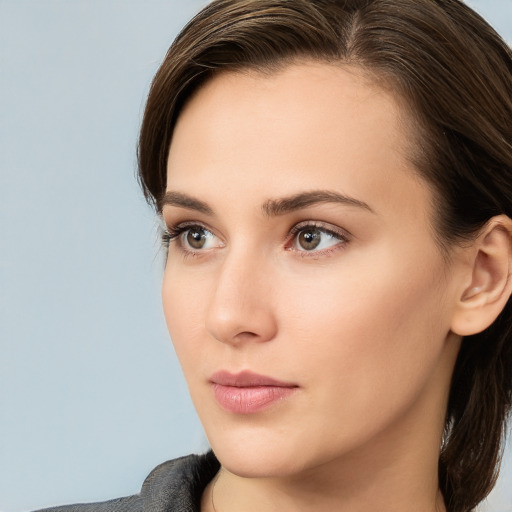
(241, 308)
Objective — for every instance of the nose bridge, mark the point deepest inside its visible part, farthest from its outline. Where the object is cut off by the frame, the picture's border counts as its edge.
(240, 307)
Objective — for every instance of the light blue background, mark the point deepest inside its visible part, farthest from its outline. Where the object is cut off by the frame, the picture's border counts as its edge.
(91, 395)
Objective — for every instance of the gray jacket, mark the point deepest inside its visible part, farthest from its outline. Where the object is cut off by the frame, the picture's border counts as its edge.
(174, 486)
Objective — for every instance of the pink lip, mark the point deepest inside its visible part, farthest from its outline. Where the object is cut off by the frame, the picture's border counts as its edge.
(247, 392)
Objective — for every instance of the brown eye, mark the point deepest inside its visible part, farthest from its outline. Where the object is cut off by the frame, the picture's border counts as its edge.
(196, 237)
(309, 239)
(315, 239)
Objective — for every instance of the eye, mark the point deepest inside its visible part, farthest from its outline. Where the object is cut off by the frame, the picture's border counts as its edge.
(192, 238)
(314, 238)
(197, 237)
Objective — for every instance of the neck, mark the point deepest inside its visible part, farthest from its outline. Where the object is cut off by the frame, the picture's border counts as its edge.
(355, 486)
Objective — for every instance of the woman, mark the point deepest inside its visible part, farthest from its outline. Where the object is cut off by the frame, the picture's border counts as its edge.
(335, 178)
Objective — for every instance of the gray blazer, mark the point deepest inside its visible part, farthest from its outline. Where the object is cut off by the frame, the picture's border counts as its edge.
(174, 486)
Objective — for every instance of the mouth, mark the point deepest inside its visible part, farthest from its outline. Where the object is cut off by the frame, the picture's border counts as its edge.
(247, 392)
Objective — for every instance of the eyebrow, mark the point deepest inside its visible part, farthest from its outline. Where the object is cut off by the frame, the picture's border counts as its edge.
(184, 201)
(271, 207)
(275, 207)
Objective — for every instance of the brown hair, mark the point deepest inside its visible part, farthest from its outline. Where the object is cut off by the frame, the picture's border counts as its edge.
(455, 74)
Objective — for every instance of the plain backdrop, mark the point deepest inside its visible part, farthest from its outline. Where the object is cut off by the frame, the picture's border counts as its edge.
(91, 395)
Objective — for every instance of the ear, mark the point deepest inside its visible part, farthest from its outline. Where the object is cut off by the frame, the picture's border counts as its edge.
(488, 285)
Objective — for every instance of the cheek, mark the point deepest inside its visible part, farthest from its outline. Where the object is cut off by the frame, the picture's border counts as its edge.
(378, 321)
(367, 350)
(183, 305)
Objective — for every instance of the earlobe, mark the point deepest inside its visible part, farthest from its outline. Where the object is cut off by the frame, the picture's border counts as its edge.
(490, 281)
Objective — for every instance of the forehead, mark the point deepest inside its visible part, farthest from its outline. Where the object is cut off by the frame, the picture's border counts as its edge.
(295, 95)
(309, 125)
(304, 87)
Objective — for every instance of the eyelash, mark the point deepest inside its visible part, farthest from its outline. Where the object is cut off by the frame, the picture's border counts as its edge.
(173, 233)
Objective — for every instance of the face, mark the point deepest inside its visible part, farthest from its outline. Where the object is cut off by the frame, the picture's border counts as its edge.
(304, 292)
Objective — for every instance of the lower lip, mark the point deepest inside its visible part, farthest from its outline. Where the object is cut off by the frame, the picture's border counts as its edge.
(248, 400)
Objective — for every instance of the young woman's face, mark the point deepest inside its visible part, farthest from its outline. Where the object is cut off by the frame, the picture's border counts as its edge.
(307, 300)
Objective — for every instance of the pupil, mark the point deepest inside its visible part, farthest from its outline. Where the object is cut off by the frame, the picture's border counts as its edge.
(196, 238)
(310, 239)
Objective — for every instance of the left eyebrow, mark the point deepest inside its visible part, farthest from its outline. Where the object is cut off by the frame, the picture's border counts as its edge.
(275, 207)
(184, 201)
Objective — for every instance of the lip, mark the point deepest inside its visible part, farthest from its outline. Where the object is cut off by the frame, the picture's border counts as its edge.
(247, 392)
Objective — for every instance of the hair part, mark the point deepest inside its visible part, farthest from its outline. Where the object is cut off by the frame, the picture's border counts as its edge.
(454, 73)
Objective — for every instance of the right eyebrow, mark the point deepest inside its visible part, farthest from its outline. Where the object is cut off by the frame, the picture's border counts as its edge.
(184, 201)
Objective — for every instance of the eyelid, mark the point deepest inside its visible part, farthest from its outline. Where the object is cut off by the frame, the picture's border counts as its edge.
(322, 226)
(174, 230)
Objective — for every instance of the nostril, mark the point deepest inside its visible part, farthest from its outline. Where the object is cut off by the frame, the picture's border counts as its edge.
(242, 327)
(246, 335)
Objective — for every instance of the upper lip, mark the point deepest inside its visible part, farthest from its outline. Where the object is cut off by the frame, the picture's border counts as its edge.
(247, 379)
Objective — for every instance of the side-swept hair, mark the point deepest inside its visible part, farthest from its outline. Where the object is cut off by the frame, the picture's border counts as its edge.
(455, 74)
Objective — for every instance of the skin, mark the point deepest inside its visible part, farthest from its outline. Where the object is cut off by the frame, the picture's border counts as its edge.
(361, 324)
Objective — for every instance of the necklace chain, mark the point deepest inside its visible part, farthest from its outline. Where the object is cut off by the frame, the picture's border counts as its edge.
(213, 489)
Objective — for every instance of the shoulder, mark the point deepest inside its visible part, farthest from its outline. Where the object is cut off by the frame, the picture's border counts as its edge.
(179, 482)
(127, 504)
(174, 485)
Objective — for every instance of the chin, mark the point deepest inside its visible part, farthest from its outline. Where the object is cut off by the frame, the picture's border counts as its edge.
(257, 452)
(256, 463)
